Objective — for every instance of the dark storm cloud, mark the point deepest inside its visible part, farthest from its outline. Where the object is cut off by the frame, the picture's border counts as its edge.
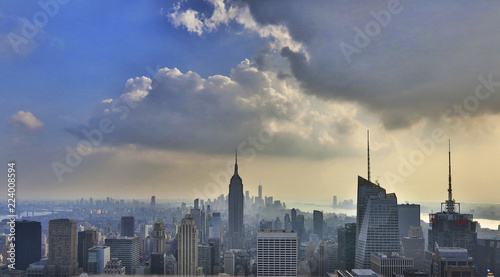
(427, 57)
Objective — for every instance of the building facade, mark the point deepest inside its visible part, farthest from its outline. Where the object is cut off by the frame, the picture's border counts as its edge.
(277, 253)
(187, 239)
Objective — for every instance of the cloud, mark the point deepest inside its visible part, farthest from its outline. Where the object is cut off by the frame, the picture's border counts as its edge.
(420, 63)
(26, 120)
(256, 111)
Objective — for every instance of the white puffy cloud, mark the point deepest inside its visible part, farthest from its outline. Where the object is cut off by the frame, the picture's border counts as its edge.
(185, 112)
(26, 120)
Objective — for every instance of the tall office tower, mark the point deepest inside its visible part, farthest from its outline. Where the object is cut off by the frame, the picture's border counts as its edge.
(451, 261)
(288, 224)
(347, 246)
(86, 240)
(205, 258)
(236, 232)
(413, 246)
(203, 218)
(408, 215)
(196, 215)
(260, 192)
(197, 203)
(318, 223)
(158, 264)
(28, 243)
(216, 226)
(98, 257)
(144, 231)
(376, 221)
(127, 226)
(125, 249)
(294, 219)
(335, 201)
(450, 228)
(63, 245)
(390, 264)
(229, 263)
(247, 197)
(187, 247)
(277, 253)
(301, 230)
(488, 257)
(171, 265)
(153, 201)
(208, 225)
(159, 243)
(331, 259)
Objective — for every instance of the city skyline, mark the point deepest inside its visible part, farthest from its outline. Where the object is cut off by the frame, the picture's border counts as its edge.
(152, 98)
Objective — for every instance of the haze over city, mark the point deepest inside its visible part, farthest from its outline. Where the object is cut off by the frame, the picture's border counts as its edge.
(149, 98)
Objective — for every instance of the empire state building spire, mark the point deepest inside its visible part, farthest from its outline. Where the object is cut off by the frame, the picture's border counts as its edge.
(236, 162)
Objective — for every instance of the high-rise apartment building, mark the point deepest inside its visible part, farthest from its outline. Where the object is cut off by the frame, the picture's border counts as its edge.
(63, 248)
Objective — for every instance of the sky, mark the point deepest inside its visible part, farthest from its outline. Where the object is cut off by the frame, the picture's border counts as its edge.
(131, 99)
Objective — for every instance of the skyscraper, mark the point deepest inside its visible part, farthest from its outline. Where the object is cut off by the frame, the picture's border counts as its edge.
(294, 220)
(63, 245)
(216, 226)
(127, 226)
(98, 257)
(236, 232)
(28, 243)
(376, 221)
(409, 215)
(187, 247)
(277, 253)
(347, 246)
(125, 249)
(159, 244)
(288, 224)
(450, 228)
(318, 223)
(205, 258)
(86, 240)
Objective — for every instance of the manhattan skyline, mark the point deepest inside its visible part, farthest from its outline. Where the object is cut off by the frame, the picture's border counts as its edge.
(152, 98)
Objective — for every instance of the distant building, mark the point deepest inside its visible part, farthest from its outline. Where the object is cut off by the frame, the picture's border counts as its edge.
(63, 248)
(287, 221)
(187, 258)
(389, 264)
(347, 246)
(277, 253)
(408, 215)
(127, 226)
(125, 249)
(98, 257)
(86, 240)
(318, 223)
(236, 230)
(451, 261)
(28, 243)
(216, 226)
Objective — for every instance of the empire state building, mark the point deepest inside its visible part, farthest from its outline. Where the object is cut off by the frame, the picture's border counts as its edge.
(236, 234)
